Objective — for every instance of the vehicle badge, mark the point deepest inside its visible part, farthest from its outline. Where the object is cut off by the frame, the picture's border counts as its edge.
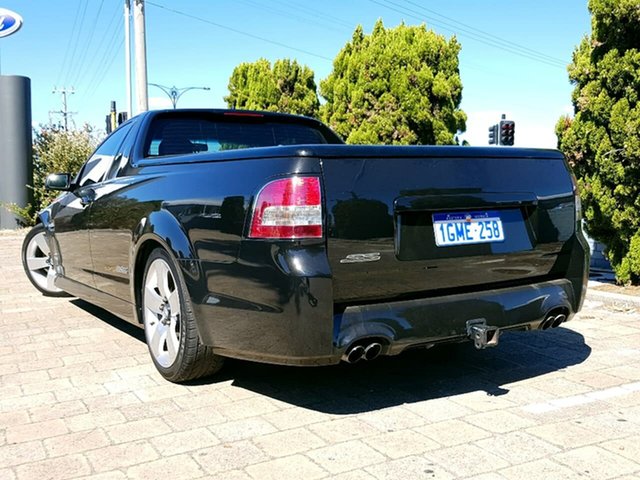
(361, 258)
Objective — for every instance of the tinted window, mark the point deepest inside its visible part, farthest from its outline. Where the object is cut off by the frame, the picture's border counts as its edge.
(98, 165)
(175, 136)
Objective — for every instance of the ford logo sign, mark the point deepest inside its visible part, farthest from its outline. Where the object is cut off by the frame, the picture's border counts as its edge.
(10, 22)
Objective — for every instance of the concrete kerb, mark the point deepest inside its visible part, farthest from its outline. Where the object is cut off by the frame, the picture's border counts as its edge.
(616, 300)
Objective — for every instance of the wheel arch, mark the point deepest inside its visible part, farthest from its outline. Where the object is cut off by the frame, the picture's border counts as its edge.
(158, 230)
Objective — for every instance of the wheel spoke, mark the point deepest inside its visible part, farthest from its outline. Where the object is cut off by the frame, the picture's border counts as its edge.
(174, 302)
(37, 263)
(51, 280)
(42, 244)
(172, 341)
(158, 337)
(152, 300)
(152, 276)
(163, 279)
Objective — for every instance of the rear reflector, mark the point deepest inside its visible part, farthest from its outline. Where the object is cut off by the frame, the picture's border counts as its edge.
(576, 198)
(289, 208)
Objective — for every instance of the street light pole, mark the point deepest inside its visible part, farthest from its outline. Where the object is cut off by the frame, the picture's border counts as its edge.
(174, 93)
(141, 55)
(127, 55)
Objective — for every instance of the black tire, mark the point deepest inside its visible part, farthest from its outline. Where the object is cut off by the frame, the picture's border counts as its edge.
(33, 250)
(184, 358)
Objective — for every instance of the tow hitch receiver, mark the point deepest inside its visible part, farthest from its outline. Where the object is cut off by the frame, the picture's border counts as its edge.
(483, 336)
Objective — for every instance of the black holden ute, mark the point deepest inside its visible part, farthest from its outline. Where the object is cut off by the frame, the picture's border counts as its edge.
(262, 236)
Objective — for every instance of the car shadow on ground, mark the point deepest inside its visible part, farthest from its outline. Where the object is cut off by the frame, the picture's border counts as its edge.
(416, 375)
(110, 319)
(413, 376)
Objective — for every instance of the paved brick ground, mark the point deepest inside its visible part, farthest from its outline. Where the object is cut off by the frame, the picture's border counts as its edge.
(80, 398)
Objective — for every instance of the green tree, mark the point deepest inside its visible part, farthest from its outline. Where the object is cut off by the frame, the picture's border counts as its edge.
(602, 140)
(395, 86)
(54, 151)
(286, 87)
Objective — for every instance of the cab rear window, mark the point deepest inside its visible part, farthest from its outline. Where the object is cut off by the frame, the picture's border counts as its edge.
(179, 136)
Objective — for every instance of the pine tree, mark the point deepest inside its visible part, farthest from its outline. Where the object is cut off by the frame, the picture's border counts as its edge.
(602, 140)
(395, 86)
(286, 87)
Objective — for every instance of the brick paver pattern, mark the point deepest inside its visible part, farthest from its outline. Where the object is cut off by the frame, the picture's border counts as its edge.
(79, 397)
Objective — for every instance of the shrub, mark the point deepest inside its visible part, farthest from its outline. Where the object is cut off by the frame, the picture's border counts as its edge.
(54, 151)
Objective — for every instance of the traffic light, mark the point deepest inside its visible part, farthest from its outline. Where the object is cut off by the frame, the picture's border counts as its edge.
(493, 135)
(507, 132)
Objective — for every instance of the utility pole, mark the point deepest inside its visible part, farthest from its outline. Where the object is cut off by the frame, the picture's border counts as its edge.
(127, 53)
(64, 113)
(141, 55)
(174, 93)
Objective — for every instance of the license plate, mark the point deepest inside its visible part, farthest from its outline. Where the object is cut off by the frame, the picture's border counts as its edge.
(465, 228)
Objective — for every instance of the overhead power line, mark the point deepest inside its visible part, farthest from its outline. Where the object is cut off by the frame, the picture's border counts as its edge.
(299, 16)
(69, 44)
(117, 49)
(108, 35)
(76, 42)
(239, 32)
(87, 44)
(313, 13)
(103, 68)
(469, 34)
(487, 34)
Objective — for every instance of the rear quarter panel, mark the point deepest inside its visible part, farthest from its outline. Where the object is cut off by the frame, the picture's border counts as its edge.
(244, 292)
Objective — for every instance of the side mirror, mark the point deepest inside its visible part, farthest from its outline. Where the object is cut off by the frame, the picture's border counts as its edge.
(58, 181)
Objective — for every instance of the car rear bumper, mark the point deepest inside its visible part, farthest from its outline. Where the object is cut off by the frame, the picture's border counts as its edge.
(305, 339)
(428, 321)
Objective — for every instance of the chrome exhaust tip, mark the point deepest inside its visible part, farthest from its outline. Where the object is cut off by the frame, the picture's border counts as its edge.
(554, 319)
(558, 320)
(354, 354)
(547, 323)
(372, 351)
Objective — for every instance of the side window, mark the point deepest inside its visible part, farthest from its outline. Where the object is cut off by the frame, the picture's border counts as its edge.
(122, 156)
(99, 163)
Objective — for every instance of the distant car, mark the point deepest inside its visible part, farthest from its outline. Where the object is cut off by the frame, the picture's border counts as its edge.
(261, 236)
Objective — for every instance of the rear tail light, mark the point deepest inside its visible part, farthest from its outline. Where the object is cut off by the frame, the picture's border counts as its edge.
(576, 198)
(289, 208)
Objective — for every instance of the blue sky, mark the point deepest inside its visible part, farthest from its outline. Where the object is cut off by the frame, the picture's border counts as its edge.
(79, 44)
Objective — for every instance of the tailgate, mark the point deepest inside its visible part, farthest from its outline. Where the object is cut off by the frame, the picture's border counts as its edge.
(420, 225)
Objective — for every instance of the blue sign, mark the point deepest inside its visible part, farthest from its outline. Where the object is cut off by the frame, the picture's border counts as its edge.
(10, 22)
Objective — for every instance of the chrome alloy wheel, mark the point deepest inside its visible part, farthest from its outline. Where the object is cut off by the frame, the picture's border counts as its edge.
(162, 313)
(37, 258)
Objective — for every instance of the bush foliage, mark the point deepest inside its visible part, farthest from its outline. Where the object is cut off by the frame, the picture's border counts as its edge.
(54, 151)
(395, 86)
(287, 87)
(602, 140)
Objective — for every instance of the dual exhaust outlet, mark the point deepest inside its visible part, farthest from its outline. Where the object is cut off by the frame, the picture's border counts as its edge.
(483, 336)
(358, 352)
(553, 320)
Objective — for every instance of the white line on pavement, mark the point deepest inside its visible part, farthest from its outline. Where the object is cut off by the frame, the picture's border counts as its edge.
(576, 400)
